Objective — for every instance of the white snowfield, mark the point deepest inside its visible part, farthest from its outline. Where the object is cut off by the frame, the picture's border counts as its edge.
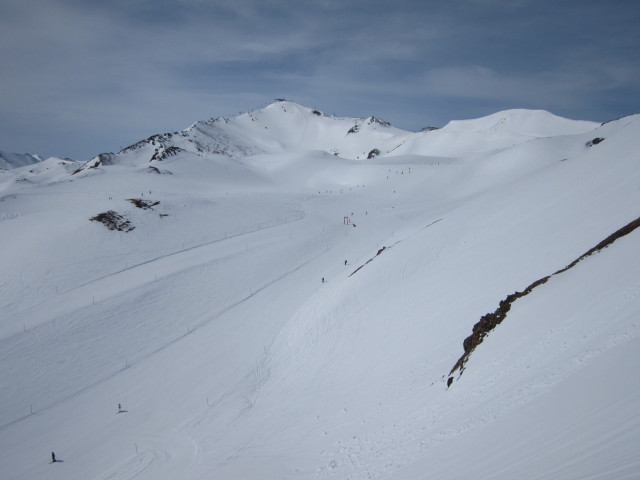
(241, 346)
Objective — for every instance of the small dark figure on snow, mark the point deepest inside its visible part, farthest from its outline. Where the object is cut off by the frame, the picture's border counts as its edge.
(345, 262)
(119, 408)
(322, 279)
(53, 457)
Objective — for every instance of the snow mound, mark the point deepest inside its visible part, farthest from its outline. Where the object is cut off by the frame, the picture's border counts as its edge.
(534, 123)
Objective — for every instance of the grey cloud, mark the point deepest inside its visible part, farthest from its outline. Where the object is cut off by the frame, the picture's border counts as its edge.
(544, 89)
(120, 68)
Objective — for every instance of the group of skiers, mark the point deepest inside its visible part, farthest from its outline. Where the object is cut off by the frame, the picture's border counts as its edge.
(323, 280)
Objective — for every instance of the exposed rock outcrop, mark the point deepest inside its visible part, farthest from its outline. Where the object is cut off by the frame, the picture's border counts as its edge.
(491, 320)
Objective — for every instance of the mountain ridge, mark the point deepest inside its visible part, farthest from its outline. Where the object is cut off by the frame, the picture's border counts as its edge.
(287, 126)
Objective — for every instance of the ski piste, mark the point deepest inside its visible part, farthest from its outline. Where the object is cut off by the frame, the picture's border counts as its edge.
(209, 324)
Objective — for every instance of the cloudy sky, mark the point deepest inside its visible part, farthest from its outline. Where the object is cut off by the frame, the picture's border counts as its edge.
(81, 77)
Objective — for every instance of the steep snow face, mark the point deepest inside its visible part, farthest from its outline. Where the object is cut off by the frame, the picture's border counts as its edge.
(13, 160)
(290, 313)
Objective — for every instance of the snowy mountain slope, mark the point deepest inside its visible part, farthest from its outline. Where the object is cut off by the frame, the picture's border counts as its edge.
(500, 130)
(51, 170)
(210, 323)
(289, 126)
(12, 160)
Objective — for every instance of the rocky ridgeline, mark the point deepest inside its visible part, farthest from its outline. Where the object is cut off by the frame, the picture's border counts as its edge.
(491, 320)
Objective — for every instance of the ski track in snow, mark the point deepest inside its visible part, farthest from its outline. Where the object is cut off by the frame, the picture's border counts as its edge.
(121, 279)
(132, 468)
(85, 290)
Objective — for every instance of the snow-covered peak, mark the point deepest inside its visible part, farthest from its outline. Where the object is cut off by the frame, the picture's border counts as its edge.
(535, 123)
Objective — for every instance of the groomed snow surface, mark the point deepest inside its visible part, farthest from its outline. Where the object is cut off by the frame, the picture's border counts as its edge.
(211, 325)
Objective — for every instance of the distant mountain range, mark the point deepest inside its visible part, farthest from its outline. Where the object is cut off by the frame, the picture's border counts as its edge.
(286, 126)
(13, 160)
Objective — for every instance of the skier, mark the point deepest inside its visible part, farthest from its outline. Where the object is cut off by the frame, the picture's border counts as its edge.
(53, 457)
(119, 408)
(322, 279)
(345, 262)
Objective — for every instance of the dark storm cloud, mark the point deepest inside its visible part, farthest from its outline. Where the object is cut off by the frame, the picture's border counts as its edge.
(84, 77)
